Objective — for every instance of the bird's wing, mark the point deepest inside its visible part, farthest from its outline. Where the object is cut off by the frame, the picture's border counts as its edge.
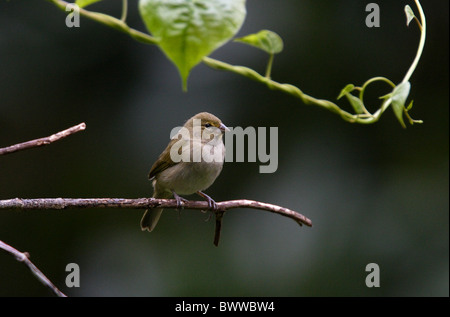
(163, 162)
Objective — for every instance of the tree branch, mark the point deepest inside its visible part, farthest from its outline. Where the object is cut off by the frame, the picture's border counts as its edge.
(24, 258)
(43, 141)
(148, 203)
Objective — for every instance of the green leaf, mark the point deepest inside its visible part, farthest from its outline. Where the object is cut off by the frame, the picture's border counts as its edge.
(410, 105)
(409, 14)
(356, 103)
(398, 98)
(347, 89)
(265, 40)
(85, 3)
(387, 96)
(188, 30)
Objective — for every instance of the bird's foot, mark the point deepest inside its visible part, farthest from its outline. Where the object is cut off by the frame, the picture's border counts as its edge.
(180, 200)
(211, 203)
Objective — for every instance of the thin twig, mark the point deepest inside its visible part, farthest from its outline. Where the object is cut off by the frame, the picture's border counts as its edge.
(24, 258)
(43, 141)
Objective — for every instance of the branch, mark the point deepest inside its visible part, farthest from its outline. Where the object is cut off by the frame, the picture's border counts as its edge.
(42, 141)
(24, 258)
(148, 203)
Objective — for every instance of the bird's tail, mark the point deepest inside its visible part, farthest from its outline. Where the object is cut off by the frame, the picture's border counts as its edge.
(151, 216)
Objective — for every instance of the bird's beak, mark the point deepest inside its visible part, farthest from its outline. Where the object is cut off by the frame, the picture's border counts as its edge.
(223, 128)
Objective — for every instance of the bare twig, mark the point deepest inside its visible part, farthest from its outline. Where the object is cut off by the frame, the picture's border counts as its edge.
(42, 141)
(148, 203)
(145, 203)
(24, 257)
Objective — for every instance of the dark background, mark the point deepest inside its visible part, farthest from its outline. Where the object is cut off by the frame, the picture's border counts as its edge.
(375, 194)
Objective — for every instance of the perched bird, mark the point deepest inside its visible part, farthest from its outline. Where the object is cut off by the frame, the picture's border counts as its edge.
(190, 164)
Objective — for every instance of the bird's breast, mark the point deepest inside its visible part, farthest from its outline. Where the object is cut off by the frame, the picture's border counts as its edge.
(186, 178)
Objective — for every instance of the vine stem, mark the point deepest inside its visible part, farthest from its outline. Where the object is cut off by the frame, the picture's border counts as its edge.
(124, 10)
(288, 89)
(423, 32)
(269, 66)
(110, 21)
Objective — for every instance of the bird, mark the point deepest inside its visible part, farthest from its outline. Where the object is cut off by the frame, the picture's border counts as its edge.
(190, 164)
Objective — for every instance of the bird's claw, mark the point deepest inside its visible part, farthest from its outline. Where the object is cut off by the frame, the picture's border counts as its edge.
(212, 205)
(180, 200)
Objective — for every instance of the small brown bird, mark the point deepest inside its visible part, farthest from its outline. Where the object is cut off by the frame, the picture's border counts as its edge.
(188, 165)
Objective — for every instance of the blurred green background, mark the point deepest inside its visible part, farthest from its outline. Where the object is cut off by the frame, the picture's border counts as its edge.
(375, 194)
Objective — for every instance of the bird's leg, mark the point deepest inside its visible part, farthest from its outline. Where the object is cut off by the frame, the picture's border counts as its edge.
(179, 202)
(211, 203)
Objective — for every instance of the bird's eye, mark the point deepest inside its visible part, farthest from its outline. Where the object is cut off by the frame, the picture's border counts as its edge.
(207, 125)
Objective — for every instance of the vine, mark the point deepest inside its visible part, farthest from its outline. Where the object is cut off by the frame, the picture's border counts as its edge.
(170, 21)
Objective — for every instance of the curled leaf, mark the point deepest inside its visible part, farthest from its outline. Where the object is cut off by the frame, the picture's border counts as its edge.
(347, 89)
(409, 14)
(398, 99)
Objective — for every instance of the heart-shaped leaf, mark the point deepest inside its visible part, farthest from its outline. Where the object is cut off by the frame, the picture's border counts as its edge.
(188, 30)
(265, 40)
